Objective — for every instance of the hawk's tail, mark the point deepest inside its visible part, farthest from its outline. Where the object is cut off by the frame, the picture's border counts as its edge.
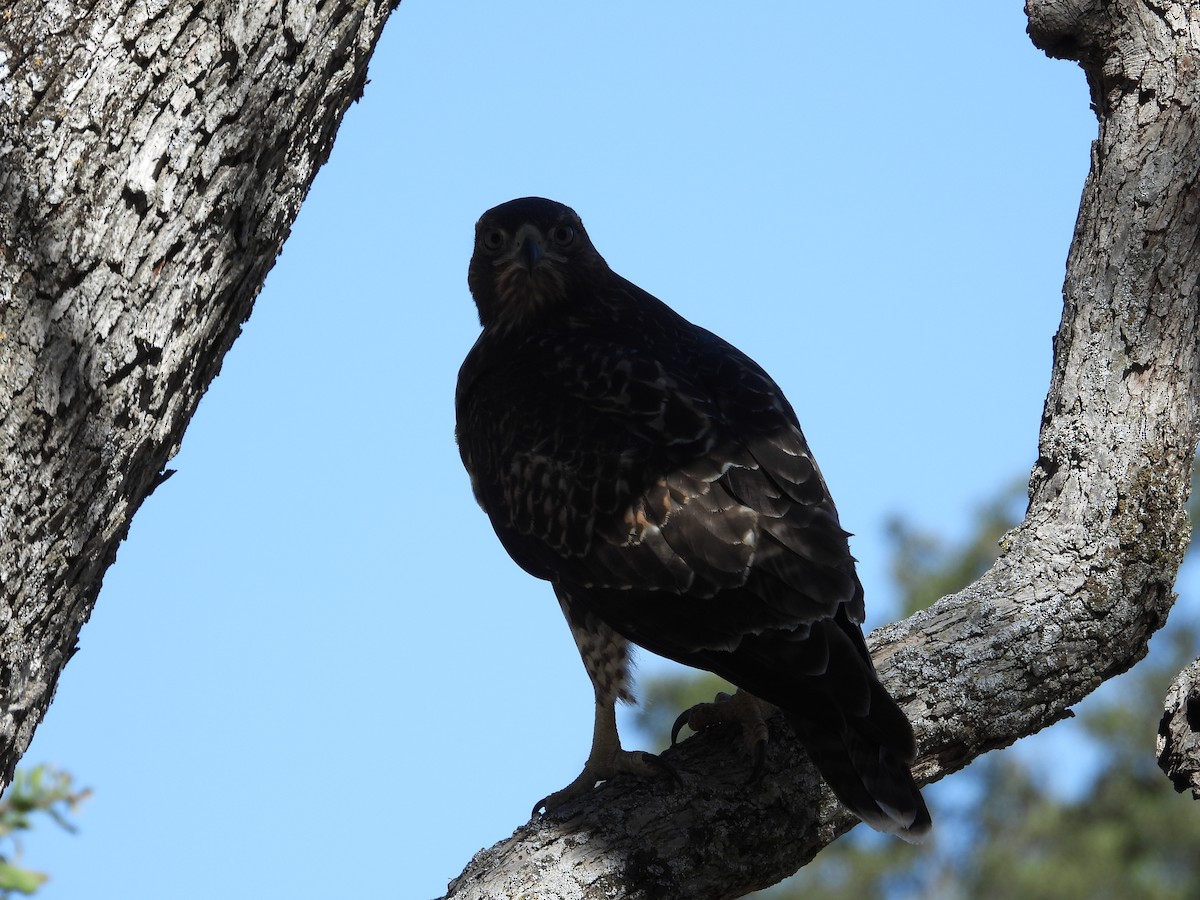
(868, 777)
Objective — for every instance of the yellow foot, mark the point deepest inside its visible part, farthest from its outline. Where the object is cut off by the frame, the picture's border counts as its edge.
(743, 709)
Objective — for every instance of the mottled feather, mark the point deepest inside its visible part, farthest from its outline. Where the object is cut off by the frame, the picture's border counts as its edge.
(660, 480)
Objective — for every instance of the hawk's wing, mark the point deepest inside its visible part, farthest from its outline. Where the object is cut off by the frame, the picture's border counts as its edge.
(655, 463)
(659, 478)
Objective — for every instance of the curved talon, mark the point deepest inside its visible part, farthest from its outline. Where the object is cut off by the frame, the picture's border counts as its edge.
(581, 785)
(633, 762)
(703, 715)
(541, 806)
(680, 721)
(742, 709)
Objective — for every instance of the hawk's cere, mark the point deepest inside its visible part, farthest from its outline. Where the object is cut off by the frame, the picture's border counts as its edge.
(659, 480)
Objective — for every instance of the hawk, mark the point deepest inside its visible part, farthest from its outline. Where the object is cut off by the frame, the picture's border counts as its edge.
(657, 477)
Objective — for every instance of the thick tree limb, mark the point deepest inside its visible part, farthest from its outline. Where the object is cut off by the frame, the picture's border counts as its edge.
(1081, 584)
(152, 158)
(1179, 732)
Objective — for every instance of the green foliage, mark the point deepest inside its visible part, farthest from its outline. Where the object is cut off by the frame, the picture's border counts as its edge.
(1078, 811)
(41, 790)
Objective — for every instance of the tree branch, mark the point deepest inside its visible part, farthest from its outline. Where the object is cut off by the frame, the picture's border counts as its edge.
(1081, 584)
(152, 159)
(1179, 732)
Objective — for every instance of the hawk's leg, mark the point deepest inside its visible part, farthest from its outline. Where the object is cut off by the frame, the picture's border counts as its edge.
(606, 657)
(743, 709)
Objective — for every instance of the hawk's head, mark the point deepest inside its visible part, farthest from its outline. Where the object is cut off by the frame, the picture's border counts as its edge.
(530, 254)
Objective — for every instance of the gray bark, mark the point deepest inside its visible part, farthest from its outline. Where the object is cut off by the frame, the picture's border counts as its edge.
(1081, 584)
(153, 155)
(1179, 732)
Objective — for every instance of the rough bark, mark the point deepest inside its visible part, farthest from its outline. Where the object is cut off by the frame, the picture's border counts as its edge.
(1081, 584)
(1179, 728)
(1179, 732)
(153, 155)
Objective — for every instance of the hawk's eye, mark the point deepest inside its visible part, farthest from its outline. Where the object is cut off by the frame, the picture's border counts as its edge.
(562, 235)
(492, 239)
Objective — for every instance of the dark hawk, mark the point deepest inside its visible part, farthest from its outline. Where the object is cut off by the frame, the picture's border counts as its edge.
(658, 479)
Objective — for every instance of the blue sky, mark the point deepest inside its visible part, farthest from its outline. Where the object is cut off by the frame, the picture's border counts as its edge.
(312, 670)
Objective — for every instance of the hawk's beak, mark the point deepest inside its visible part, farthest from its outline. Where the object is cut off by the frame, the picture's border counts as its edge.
(530, 247)
(533, 251)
